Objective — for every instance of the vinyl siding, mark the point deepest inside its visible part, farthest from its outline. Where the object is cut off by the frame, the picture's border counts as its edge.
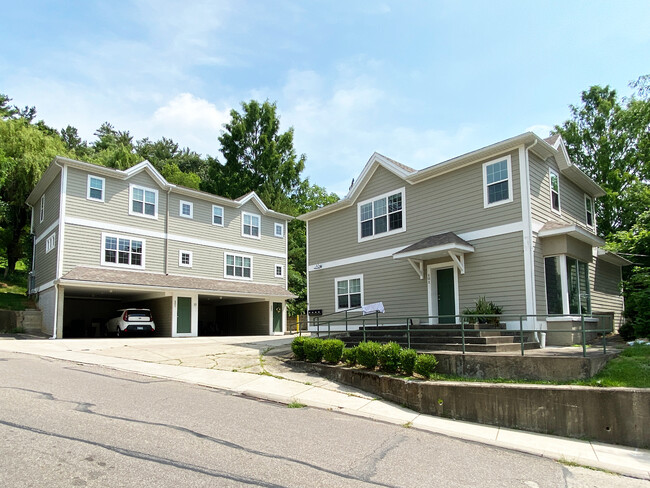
(45, 263)
(449, 202)
(604, 280)
(83, 248)
(495, 270)
(52, 205)
(115, 208)
(208, 262)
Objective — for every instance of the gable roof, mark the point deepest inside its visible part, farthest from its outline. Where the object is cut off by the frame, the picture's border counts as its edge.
(530, 140)
(58, 162)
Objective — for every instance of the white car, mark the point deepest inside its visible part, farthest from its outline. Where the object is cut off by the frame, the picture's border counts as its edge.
(132, 321)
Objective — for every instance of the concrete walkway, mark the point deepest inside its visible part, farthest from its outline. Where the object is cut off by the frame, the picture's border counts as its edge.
(256, 367)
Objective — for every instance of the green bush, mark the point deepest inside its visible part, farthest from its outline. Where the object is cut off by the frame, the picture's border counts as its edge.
(483, 306)
(407, 361)
(368, 354)
(626, 331)
(314, 349)
(389, 357)
(425, 365)
(333, 350)
(298, 348)
(636, 291)
(349, 356)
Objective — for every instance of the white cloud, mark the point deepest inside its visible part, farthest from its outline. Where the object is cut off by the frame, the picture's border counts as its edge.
(541, 130)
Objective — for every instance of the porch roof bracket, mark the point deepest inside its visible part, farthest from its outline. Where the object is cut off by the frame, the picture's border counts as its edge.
(418, 266)
(459, 259)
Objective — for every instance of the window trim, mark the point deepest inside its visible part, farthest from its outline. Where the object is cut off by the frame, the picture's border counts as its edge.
(134, 186)
(50, 243)
(385, 196)
(180, 258)
(336, 291)
(180, 209)
(120, 265)
(281, 275)
(564, 283)
(276, 226)
(587, 211)
(225, 264)
(510, 180)
(41, 214)
(551, 173)
(259, 227)
(88, 188)
(222, 215)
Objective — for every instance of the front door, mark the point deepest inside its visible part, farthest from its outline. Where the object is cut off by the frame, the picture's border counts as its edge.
(277, 317)
(446, 298)
(183, 315)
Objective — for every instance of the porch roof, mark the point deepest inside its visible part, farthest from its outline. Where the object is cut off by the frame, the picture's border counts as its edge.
(436, 246)
(87, 276)
(552, 228)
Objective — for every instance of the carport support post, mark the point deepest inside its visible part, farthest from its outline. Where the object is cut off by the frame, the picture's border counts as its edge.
(584, 343)
(60, 300)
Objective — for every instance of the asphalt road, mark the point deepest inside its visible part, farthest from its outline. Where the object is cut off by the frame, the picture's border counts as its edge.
(64, 424)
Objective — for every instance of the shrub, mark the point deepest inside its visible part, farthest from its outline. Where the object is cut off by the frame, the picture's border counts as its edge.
(425, 365)
(349, 356)
(389, 357)
(626, 331)
(298, 348)
(368, 354)
(333, 350)
(407, 361)
(483, 306)
(636, 291)
(314, 349)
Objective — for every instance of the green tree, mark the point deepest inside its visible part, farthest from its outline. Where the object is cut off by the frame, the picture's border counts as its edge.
(609, 139)
(174, 175)
(25, 152)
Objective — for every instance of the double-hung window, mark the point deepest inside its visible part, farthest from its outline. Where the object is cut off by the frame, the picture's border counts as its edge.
(349, 292)
(185, 259)
(278, 229)
(122, 251)
(383, 215)
(143, 201)
(95, 188)
(217, 215)
(238, 266)
(567, 285)
(186, 209)
(589, 211)
(554, 187)
(250, 225)
(497, 182)
(41, 215)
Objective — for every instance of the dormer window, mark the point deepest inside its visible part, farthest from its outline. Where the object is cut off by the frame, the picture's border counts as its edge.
(554, 183)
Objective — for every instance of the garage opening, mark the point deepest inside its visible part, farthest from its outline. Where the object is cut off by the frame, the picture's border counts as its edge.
(232, 316)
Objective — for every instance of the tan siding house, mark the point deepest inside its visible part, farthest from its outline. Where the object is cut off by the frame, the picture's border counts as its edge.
(107, 239)
(512, 221)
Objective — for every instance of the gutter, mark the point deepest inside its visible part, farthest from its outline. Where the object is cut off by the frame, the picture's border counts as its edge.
(167, 233)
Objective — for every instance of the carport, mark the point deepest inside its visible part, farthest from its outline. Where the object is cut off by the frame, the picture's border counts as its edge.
(181, 306)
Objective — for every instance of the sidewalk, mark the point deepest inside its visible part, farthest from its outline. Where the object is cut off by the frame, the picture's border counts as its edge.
(254, 367)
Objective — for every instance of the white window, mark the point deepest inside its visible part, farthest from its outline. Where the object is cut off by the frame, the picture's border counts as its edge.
(250, 225)
(238, 266)
(382, 215)
(122, 251)
(50, 243)
(41, 215)
(279, 271)
(186, 209)
(217, 215)
(185, 259)
(278, 230)
(567, 285)
(143, 201)
(589, 211)
(497, 182)
(95, 188)
(349, 292)
(554, 188)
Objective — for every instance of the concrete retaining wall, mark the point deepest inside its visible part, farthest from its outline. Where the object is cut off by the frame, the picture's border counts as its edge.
(29, 320)
(611, 415)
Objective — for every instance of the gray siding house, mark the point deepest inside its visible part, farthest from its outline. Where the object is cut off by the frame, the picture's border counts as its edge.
(513, 221)
(106, 239)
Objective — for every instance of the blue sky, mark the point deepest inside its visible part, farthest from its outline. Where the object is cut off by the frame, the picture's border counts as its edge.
(418, 81)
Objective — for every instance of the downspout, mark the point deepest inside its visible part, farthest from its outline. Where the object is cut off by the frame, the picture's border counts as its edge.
(169, 190)
(59, 255)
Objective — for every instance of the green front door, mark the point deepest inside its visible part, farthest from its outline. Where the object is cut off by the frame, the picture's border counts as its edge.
(446, 300)
(183, 315)
(277, 317)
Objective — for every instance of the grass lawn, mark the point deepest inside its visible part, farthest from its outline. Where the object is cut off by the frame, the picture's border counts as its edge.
(13, 290)
(631, 368)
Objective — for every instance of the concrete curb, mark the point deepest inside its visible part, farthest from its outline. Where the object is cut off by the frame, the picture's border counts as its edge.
(623, 460)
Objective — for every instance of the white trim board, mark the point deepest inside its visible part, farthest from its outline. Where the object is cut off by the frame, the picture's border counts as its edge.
(172, 237)
(47, 231)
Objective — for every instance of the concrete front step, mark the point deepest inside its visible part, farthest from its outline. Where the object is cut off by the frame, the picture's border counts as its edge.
(436, 340)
